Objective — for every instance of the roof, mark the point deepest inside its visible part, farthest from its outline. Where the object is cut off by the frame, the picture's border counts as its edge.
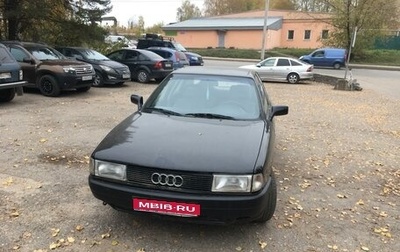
(252, 23)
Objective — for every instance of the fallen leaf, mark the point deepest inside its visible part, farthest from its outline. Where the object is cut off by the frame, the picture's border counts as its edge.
(114, 243)
(79, 228)
(262, 244)
(55, 232)
(71, 239)
(363, 248)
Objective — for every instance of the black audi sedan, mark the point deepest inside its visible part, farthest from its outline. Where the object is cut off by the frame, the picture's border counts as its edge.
(144, 65)
(201, 147)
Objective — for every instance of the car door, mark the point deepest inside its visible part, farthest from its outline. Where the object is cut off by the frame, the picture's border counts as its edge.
(266, 69)
(318, 58)
(282, 68)
(27, 62)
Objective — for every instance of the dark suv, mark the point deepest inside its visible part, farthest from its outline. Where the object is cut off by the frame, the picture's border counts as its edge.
(154, 40)
(10, 76)
(48, 70)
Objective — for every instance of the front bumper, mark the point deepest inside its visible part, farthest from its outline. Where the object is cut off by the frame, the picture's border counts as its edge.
(70, 81)
(217, 209)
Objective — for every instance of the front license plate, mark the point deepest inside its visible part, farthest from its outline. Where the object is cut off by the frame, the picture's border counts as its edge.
(5, 75)
(166, 207)
(125, 76)
(89, 77)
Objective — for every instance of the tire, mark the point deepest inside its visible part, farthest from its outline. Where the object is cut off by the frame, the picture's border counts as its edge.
(142, 76)
(7, 95)
(293, 78)
(48, 86)
(83, 89)
(98, 80)
(270, 204)
(336, 66)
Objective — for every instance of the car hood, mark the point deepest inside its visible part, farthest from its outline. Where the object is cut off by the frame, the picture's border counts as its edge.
(253, 67)
(63, 62)
(184, 143)
(109, 63)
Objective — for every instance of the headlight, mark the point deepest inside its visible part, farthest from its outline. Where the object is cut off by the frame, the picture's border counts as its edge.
(106, 68)
(21, 75)
(69, 70)
(108, 170)
(237, 183)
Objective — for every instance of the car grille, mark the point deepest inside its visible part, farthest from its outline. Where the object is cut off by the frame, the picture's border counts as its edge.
(80, 70)
(194, 182)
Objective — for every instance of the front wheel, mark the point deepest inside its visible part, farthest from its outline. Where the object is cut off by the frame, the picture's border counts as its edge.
(270, 204)
(7, 95)
(293, 78)
(48, 86)
(142, 76)
(98, 80)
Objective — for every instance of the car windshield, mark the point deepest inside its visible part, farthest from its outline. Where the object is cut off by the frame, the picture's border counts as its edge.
(179, 47)
(45, 53)
(93, 55)
(206, 96)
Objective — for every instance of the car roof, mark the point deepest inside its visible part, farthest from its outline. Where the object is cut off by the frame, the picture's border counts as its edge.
(203, 70)
(161, 48)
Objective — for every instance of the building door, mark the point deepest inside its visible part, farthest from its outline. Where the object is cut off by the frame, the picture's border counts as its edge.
(221, 38)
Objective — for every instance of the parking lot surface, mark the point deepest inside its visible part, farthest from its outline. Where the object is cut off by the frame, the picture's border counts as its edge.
(336, 163)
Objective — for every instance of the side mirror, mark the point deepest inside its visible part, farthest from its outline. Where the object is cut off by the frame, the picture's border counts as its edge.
(258, 65)
(28, 60)
(278, 111)
(138, 100)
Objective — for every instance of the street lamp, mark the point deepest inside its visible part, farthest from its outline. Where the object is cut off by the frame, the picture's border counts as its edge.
(265, 29)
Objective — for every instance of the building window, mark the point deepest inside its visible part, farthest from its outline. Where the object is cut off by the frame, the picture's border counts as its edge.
(324, 34)
(290, 35)
(307, 34)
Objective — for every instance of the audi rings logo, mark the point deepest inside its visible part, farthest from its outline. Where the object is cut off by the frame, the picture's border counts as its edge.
(166, 179)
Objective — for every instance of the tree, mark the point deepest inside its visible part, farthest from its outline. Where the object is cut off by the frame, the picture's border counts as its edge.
(220, 7)
(370, 17)
(53, 21)
(187, 11)
(281, 5)
(155, 28)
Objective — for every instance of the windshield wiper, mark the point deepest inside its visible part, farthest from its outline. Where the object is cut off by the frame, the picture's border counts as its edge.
(161, 110)
(209, 115)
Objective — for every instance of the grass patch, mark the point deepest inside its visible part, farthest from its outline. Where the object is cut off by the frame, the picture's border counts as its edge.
(378, 57)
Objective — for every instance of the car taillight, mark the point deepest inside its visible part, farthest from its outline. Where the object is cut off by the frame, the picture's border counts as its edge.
(310, 69)
(158, 65)
(177, 56)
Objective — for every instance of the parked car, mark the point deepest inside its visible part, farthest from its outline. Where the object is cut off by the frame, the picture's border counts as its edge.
(11, 76)
(154, 40)
(108, 72)
(282, 69)
(200, 147)
(327, 57)
(178, 58)
(144, 65)
(48, 70)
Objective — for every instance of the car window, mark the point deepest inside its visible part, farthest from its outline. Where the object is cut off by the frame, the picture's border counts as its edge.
(131, 55)
(118, 55)
(92, 54)
(268, 62)
(283, 62)
(295, 63)
(318, 54)
(234, 97)
(5, 56)
(44, 53)
(19, 54)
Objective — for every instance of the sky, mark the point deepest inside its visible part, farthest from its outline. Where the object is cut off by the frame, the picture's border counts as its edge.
(153, 11)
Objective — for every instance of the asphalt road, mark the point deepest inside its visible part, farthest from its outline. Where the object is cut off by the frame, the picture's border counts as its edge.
(385, 82)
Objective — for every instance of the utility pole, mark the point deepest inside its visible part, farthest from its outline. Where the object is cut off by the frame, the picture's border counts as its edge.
(265, 29)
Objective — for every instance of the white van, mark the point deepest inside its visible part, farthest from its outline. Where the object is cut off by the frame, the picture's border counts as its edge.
(111, 39)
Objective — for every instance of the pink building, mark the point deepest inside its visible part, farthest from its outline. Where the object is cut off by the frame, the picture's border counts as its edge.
(286, 29)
